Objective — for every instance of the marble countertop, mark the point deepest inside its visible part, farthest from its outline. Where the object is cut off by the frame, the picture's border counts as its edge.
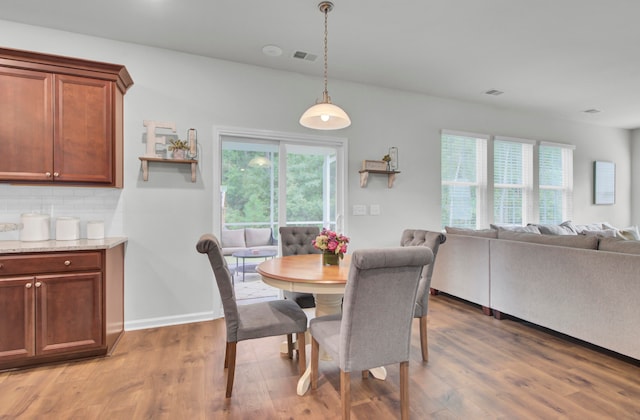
(15, 247)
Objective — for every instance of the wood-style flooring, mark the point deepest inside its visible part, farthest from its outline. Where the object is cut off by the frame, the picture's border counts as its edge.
(479, 368)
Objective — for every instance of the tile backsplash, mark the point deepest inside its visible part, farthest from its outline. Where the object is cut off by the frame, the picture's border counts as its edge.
(85, 203)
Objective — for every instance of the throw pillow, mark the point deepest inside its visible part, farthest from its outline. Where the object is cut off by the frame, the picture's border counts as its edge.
(573, 241)
(258, 236)
(604, 233)
(233, 238)
(483, 233)
(556, 230)
(630, 233)
(517, 228)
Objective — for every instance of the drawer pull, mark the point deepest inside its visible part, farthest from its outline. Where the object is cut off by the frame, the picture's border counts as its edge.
(1, 266)
(56, 174)
(28, 285)
(47, 174)
(67, 263)
(38, 284)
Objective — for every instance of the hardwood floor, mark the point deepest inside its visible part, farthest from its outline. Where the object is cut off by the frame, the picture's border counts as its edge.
(479, 368)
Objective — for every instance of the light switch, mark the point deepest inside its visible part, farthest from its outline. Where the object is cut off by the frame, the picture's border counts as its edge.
(359, 210)
(375, 210)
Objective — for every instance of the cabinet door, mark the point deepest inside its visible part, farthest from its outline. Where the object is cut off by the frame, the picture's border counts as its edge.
(16, 318)
(26, 129)
(68, 312)
(84, 143)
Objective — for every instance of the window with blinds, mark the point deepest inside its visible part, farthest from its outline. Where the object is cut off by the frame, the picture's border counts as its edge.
(532, 182)
(555, 183)
(512, 181)
(464, 179)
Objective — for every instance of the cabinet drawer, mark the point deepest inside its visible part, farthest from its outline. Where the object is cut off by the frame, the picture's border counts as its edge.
(50, 263)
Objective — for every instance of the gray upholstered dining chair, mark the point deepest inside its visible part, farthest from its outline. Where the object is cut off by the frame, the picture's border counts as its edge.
(374, 328)
(255, 320)
(296, 240)
(432, 240)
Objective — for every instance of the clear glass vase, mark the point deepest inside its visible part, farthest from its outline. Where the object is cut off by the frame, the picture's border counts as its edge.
(330, 258)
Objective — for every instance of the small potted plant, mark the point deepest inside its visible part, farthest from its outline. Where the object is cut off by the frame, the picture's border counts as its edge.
(178, 148)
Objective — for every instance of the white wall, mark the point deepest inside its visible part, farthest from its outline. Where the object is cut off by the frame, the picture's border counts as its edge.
(635, 177)
(166, 280)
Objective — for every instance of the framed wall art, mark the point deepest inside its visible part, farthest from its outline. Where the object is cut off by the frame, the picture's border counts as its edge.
(604, 182)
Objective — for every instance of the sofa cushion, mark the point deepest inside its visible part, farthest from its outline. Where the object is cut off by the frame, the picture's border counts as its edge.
(619, 245)
(484, 233)
(573, 241)
(517, 228)
(257, 236)
(233, 238)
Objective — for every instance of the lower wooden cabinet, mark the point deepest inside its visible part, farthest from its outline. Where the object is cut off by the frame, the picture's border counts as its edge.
(60, 305)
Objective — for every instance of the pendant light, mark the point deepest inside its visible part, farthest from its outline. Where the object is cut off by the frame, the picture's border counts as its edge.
(325, 115)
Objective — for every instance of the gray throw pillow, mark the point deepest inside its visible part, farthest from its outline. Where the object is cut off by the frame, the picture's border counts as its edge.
(556, 230)
(517, 228)
(233, 238)
(483, 233)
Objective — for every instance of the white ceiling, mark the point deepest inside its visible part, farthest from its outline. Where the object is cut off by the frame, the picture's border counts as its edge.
(557, 57)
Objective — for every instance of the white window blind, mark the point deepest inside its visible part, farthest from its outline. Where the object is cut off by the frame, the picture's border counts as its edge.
(555, 182)
(464, 179)
(512, 181)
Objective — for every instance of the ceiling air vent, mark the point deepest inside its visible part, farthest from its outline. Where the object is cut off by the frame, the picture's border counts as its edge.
(494, 92)
(304, 56)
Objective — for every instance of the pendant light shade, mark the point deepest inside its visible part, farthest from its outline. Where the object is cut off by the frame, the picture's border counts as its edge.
(324, 115)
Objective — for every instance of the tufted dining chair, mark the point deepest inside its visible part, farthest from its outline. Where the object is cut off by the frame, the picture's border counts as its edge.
(374, 328)
(255, 320)
(432, 240)
(296, 240)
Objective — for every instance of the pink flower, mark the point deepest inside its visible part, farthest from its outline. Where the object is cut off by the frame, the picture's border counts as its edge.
(330, 241)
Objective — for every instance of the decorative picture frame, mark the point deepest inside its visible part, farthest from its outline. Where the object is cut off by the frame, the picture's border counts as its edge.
(604, 182)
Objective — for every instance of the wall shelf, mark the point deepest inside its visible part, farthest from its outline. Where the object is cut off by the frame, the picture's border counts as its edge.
(364, 176)
(145, 165)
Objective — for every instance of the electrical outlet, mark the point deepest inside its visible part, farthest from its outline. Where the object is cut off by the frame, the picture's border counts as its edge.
(374, 210)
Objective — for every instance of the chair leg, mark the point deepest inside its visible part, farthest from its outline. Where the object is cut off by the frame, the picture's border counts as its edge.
(302, 353)
(290, 346)
(423, 338)
(315, 350)
(231, 365)
(365, 374)
(345, 394)
(404, 390)
(226, 356)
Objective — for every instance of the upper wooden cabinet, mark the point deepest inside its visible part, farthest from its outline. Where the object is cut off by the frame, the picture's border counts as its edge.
(61, 119)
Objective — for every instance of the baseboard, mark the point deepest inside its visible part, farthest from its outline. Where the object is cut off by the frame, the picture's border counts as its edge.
(168, 320)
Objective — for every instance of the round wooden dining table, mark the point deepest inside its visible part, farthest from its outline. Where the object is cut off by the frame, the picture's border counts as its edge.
(307, 274)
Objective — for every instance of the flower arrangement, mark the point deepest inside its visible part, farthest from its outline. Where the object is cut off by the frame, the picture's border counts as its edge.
(331, 242)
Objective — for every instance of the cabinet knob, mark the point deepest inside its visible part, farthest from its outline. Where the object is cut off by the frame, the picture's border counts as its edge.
(38, 283)
(56, 174)
(67, 263)
(48, 174)
(28, 285)
(1, 266)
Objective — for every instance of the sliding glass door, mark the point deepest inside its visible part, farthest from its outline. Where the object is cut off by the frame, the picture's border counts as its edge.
(272, 180)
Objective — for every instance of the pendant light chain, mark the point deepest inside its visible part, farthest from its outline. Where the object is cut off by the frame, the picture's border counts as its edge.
(326, 55)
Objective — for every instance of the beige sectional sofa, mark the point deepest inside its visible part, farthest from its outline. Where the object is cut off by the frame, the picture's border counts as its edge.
(583, 286)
